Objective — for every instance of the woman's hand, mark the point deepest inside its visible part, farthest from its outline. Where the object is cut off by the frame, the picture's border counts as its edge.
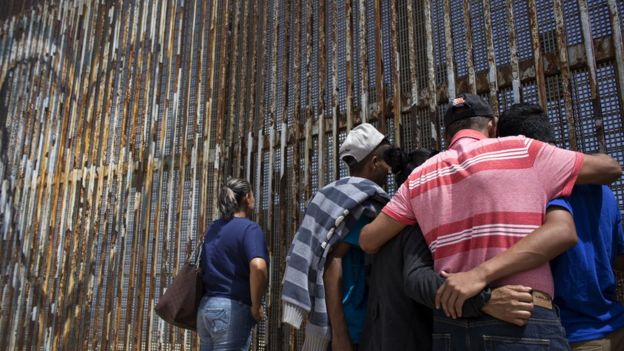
(257, 312)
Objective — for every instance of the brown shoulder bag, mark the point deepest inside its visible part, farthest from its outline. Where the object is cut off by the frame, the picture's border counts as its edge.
(180, 302)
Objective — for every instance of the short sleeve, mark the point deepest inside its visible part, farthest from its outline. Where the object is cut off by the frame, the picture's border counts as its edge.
(561, 202)
(254, 243)
(400, 207)
(557, 169)
(353, 237)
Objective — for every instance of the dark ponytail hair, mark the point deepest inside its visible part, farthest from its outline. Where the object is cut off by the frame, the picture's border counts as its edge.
(231, 196)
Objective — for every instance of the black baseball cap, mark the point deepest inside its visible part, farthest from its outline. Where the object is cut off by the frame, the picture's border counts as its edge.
(466, 106)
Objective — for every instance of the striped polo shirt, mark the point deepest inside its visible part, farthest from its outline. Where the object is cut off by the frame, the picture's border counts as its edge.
(483, 195)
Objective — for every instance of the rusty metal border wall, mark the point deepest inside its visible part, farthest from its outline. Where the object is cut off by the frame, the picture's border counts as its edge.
(119, 120)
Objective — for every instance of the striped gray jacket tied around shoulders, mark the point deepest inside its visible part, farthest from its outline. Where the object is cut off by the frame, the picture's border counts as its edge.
(330, 215)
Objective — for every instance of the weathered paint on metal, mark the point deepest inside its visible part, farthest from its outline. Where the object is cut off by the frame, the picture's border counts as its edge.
(618, 45)
(450, 63)
(334, 106)
(513, 51)
(562, 51)
(380, 113)
(588, 43)
(323, 81)
(244, 88)
(491, 57)
(349, 61)
(432, 96)
(411, 44)
(253, 86)
(234, 120)
(472, 83)
(396, 91)
(538, 61)
(363, 61)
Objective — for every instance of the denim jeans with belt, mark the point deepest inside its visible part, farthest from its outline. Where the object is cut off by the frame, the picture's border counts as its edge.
(224, 324)
(542, 332)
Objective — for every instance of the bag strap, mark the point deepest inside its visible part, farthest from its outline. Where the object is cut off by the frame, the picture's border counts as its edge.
(196, 254)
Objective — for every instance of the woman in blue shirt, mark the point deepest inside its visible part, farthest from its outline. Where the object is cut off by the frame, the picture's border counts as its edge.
(234, 267)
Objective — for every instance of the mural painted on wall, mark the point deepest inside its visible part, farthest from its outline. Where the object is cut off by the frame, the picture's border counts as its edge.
(118, 119)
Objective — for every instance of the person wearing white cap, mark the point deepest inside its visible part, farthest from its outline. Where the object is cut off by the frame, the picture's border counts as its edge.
(345, 279)
(363, 151)
(324, 276)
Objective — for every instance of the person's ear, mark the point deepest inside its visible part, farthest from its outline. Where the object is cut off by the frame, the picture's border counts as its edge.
(249, 200)
(376, 160)
(492, 127)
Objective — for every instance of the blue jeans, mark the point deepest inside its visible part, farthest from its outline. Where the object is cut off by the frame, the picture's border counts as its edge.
(542, 332)
(224, 324)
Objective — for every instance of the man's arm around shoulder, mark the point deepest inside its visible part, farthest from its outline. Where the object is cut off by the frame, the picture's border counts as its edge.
(375, 234)
(599, 169)
(557, 234)
(512, 304)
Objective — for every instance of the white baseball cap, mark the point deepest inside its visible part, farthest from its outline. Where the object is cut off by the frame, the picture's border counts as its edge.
(360, 142)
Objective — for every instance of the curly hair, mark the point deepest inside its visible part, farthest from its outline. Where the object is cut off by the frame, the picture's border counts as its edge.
(403, 164)
(529, 120)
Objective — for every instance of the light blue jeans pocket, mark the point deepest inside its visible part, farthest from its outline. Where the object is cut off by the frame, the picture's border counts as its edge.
(216, 319)
(224, 324)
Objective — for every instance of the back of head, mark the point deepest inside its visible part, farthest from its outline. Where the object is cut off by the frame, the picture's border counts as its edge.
(232, 195)
(403, 164)
(467, 111)
(528, 120)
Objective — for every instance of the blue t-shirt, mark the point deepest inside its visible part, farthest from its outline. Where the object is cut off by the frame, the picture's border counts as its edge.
(229, 246)
(354, 293)
(585, 284)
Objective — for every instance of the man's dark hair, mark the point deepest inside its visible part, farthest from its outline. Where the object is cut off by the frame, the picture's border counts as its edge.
(357, 167)
(477, 123)
(403, 164)
(529, 120)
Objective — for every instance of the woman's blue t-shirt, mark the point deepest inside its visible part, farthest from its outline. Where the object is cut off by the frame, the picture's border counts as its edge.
(229, 246)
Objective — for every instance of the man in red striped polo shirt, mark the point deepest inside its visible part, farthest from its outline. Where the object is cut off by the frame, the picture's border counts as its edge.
(483, 200)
